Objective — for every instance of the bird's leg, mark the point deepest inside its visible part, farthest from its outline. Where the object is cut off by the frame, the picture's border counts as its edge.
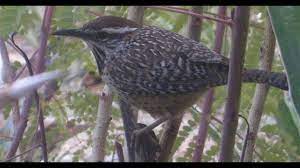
(153, 125)
(138, 134)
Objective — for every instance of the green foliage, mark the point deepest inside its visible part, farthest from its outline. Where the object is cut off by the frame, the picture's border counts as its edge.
(285, 21)
(16, 18)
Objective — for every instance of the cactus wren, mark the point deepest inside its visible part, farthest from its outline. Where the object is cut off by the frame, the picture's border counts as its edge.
(157, 70)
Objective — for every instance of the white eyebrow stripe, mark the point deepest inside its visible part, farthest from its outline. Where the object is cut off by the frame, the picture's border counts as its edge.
(120, 30)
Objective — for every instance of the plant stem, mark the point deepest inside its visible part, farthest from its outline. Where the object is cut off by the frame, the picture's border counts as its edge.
(236, 62)
(261, 90)
(205, 118)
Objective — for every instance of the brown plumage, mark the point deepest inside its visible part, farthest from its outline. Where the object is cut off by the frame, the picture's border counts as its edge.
(157, 70)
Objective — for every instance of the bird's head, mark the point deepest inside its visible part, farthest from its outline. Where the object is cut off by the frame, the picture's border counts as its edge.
(102, 35)
(102, 27)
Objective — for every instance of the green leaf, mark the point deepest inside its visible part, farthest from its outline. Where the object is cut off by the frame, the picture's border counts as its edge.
(287, 127)
(286, 25)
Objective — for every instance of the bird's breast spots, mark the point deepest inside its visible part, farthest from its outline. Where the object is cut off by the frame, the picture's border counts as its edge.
(162, 104)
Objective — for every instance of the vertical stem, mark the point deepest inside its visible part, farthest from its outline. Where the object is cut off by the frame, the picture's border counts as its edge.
(136, 13)
(7, 75)
(21, 127)
(28, 100)
(239, 39)
(6, 71)
(119, 150)
(40, 68)
(171, 127)
(261, 91)
(205, 118)
(102, 124)
(194, 25)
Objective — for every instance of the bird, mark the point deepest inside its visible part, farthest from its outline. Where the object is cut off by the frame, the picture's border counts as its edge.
(156, 70)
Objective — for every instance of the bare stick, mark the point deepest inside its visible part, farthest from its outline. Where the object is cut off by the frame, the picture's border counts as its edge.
(45, 29)
(21, 127)
(23, 153)
(102, 124)
(252, 23)
(246, 138)
(261, 91)
(239, 41)
(119, 150)
(6, 73)
(44, 35)
(227, 22)
(207, 105)
(213, 118)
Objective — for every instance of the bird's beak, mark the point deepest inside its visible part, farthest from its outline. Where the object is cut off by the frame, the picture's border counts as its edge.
(73, 33)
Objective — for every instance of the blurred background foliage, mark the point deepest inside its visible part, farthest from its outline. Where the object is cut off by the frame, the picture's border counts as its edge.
(73, 105)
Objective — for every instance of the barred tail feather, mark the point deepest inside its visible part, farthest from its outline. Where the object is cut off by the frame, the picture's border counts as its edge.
(275, 79)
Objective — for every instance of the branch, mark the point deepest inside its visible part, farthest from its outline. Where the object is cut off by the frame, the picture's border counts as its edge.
(6, 73)
(102, 124)
(205, 119)
(246, 138)
(21, 127)
(261, 91)
(119, 150)
(239, 39)
(23, 87)
(213, 118)
(136, 14)
(28, 101)
(23, 153)
(200, 16)
(252, 23)
(45, 29)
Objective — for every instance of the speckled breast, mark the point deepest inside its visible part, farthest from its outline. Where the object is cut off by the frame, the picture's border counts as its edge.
(161, 105)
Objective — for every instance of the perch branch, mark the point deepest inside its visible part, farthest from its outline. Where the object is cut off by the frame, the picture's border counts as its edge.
(261, 90)
(239, 39)
(207, 105)
(201, 16)
(102, 124)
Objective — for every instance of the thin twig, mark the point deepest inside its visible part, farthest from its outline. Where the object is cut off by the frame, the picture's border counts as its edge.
(11, 158)
(94, 13)
(261, 90)
(119, 150)
(209, 98)
(252, 23)
(213, 118)
(36, 96)
(40, 67)
(227, 22)
(21, 127)
(245, 139)
(45, 29)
